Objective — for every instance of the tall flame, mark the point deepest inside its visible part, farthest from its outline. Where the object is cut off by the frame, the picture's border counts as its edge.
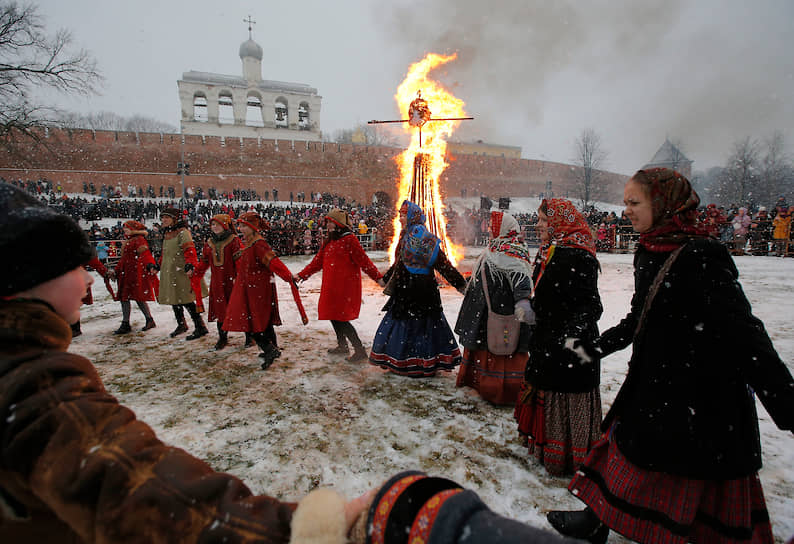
(442, 104)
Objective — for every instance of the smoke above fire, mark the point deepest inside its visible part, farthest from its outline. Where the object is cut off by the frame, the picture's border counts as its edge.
(536, 73)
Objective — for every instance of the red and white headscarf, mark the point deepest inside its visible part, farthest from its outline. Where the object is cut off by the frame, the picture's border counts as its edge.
(506, 252)
(567, 226)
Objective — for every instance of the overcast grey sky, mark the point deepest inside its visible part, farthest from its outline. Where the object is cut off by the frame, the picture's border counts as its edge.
(533, 73)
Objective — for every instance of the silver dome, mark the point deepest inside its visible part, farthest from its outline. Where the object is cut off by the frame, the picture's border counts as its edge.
(250, 48)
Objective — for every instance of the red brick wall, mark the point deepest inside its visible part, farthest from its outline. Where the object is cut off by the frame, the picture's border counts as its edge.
(74, 157)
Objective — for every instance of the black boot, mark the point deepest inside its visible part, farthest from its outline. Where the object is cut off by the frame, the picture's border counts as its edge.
(76, 329)
(124, 328)
(249, 341)
(181, 326)
(360, 354)
(200, 328)
(269, 353)
(581, 524)
(150, 324)
(223, 339)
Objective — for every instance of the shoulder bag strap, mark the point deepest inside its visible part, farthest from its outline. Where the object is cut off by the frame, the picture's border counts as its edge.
(485, 287)
(657, 282)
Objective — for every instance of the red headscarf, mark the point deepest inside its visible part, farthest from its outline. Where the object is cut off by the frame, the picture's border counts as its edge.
(567, 226)
(674, 205)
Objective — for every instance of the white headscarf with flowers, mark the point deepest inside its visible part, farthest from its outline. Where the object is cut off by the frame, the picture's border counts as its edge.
(506, 252)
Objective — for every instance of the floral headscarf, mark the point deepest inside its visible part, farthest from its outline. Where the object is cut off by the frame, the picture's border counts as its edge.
(506, 252)
(674, 206)
(567, 226)
(418, 247)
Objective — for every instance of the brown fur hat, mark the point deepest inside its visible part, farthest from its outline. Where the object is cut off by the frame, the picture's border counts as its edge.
(339, 217)
(135, 226)
(223, 220)
(253, 220)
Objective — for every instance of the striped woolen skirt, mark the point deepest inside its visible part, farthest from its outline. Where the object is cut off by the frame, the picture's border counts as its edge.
(559, 428)
(415, 347)
(648, 506)
(497, 378)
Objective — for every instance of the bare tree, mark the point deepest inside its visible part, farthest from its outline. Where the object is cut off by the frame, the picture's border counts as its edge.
(31, 60)
(590, 157)
(739, 181)
(776, 170)
(140, 123)
(373, 135)
(107, 120)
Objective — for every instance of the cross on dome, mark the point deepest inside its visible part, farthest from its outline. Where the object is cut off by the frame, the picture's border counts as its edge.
(250, 28)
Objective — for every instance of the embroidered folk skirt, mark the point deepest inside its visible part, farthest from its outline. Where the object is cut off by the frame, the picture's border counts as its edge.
(648, 506)
(560, 428)
(497, 378)
(416, 347)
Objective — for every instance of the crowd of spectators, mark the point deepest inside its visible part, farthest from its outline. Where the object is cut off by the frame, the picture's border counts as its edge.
(296, 223)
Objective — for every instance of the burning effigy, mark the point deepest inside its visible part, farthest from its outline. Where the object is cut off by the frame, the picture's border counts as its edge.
(430, 114)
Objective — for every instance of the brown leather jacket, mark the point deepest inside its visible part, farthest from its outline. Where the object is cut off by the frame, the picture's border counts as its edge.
(76, 466)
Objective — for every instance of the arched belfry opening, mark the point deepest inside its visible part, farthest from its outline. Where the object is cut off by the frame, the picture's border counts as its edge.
(253, 110)
(200, 112)
(281, 112)
(225, 108)
(303, 116)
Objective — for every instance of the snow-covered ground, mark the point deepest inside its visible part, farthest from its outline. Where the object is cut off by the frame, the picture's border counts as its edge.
(314, 419)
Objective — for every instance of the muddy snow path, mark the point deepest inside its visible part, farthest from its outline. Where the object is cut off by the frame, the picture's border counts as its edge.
(314, 419)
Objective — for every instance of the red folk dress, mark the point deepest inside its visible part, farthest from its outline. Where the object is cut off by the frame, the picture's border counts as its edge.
(253, 304)
(219, 256)
(341, 261)
(135, 281)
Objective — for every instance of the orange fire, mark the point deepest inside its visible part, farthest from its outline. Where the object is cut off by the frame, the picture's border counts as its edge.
(429, 139)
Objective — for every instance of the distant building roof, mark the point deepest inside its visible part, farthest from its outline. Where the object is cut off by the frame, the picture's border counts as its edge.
(486, 144)
(668, 155)
(208, 78)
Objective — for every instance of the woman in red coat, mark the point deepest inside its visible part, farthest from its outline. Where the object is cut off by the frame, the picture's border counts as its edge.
(341, 259)
(253, 305)
(218, 255)
(135, 275)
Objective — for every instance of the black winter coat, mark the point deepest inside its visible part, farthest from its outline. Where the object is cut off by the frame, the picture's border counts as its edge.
(472, 323)
(566, 305)
(687, 405)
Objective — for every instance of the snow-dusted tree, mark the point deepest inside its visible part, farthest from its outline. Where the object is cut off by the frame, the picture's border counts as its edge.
(739, 181)
(366, 135)
(590, 157)
(107, 120)
(30, 59)
(776, 171)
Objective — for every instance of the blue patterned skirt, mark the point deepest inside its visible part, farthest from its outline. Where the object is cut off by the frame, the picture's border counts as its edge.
(415, 347)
